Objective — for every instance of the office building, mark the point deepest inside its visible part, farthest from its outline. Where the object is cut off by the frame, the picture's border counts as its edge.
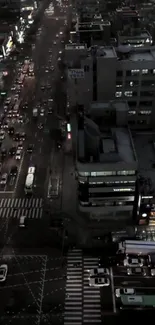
(99, 74)
(106, 163)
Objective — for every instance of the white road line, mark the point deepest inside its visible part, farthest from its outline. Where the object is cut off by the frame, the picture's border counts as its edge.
(42, 292)
(113, 290)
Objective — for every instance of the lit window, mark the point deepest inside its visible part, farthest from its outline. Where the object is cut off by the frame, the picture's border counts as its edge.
(131, 112)
(119, 85)
(128, 93)
(133, 72)
(131, 83)
(145, 112)
(144, 71)
(153, 71)
(118, 94)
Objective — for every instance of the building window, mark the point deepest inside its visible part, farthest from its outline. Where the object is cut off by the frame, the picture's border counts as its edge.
(119, 73)
(119, 85)
(118, 94)
(132, 104)
(86, 68)
(144, 113)
(128, 93)
(145, 71)
(131, 112)
(126, 172)
(128, 73)
(83, 173)
(134, 72)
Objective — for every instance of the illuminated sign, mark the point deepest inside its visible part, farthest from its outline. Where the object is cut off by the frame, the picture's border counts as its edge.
(68, 127)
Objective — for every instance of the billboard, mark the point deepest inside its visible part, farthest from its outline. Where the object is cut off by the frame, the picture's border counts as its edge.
(76, 73)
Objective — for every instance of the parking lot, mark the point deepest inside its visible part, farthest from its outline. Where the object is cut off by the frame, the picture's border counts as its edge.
(32, 281)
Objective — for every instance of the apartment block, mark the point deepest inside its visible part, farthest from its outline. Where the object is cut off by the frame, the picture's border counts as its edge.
(135, 37)
(99, 74)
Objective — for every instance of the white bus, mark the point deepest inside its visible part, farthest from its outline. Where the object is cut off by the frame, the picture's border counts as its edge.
(31, 69)
(136, 247)
(21, 79)
(29, 183)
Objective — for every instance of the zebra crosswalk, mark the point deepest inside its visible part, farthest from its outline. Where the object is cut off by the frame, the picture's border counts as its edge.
(15, 208)
(82, 302)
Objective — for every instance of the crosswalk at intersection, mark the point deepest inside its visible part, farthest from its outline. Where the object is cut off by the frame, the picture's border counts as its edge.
(32, 208)
(82, 302)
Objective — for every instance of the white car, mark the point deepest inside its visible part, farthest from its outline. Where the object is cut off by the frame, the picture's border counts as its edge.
(2, 135)
(124, 291)
(8, 100)
(4, 179)
(99, 282)
(3, 272)
(18, 154)
(98, 271)
(42, 111)
(130, 261)
(54, 42)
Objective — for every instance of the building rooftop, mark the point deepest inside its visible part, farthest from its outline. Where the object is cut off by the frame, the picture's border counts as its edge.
(136, 54)
(135, 32)
(145, 149)
(112, 145)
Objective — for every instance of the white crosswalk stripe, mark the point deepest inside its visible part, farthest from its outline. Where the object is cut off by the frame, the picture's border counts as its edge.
(82, 302)
(91, 295)
(15, 208)
(73, 298)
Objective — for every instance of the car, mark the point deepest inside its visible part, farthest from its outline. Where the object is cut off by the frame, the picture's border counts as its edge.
(133, 261)
(2, 135)
(3, 272)
(18, 154)
(54, 42)
(14, 171)
(50, 110)
(12, 151)
(20, 119)
(22, 136)
(16, 136)
(4, 178)
(11, 130)
(20, 145)
(40, 126)
(42, 111)
(124, 291)
(56, 18)
(3, 153)
(15, 113)
(99, 282)
(13, 87)
(57, 35)
(5, 125)
(9, 114)
(30, 148)
(98, 271)
(8, 100)
(52, 68)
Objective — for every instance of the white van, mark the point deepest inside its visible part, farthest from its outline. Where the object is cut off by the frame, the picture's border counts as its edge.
(22, 221)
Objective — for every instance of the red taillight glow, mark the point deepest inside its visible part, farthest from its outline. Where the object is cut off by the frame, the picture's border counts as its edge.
(69, 136)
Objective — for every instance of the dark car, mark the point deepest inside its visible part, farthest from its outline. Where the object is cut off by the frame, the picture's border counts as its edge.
(14, 171)
(3, 153)
(11, 130)
(12, 151)
(22, 136)
(50, 110)
(30, 148)
(16, 136)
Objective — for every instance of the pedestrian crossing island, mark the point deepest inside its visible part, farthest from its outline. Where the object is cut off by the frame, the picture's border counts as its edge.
(15, 208)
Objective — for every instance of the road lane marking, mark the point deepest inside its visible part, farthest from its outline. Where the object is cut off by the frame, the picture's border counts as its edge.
(42, 292)
(113, 290)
